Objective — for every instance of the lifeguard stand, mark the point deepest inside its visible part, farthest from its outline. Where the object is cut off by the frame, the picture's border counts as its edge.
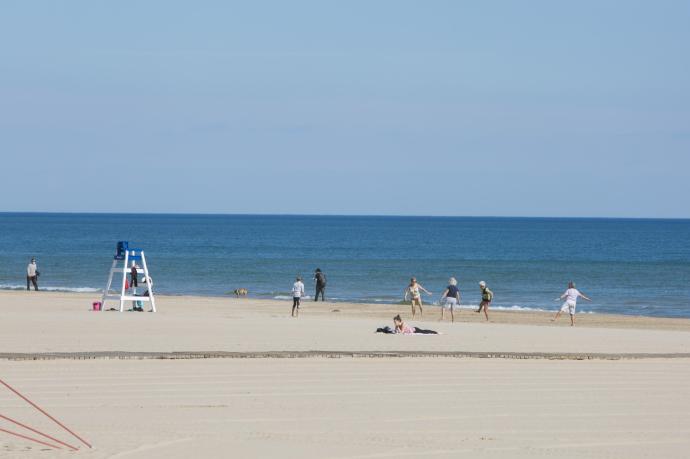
(125, 255)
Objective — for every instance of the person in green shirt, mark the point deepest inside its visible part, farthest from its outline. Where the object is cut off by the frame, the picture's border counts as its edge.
(487, 297)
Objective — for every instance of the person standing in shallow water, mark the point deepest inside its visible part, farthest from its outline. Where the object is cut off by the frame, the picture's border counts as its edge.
(32, 275)
(320, 279)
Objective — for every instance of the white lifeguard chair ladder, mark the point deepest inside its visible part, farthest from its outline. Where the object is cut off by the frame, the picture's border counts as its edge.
(124, 255)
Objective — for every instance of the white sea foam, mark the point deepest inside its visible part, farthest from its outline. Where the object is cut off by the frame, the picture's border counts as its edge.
(516, 307)
(288, 297)
(51, 289)
(392, 301)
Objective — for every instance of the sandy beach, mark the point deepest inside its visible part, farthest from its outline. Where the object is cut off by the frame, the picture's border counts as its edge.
(243, 157)
(613, 386)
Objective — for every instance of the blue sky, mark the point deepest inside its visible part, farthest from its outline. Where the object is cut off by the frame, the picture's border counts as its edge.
(536, 108)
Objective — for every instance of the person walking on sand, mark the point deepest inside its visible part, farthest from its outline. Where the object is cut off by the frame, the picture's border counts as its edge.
(413, 291)
(32, 275)
(570, 295)
(297, 294)
(487, 297)
(320, 279)
(450, 298)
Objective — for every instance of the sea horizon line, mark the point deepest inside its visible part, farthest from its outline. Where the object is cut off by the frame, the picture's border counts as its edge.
(341, 215)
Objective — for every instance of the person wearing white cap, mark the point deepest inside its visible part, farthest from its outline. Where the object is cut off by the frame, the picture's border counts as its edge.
(570, 295)
(450, 298)
(32, 274)
(487, 297)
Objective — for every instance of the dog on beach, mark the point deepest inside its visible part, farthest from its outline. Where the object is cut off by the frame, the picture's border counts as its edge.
(240, 292)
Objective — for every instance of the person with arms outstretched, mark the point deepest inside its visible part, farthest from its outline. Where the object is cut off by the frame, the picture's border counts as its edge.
(571, 295)
(413, 291)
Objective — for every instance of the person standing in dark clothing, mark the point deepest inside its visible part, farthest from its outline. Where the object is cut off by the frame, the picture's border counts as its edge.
(133, 276)
(320, 279)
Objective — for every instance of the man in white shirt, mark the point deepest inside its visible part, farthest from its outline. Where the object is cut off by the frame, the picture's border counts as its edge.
(297, 294)
(570, 304)
(32, 275)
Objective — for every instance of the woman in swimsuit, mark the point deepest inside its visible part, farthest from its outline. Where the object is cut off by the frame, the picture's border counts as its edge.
(413, 291)
(402, 327)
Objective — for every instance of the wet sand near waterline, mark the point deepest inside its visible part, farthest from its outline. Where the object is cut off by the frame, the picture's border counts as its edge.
(60, 322)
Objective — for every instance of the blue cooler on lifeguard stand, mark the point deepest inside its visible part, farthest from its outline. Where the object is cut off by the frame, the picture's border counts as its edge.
(122, 247)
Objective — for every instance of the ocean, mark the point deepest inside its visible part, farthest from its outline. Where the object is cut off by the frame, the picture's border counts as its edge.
(627, 266)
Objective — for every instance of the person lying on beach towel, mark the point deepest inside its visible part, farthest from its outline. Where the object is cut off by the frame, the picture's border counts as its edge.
(402, 328)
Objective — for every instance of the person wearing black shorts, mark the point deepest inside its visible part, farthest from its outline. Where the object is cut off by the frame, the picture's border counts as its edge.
(297, 294)
(32, 275)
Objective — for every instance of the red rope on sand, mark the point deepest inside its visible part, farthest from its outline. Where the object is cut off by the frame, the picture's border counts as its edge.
(13, 421)
(29, 438)
(42, 411)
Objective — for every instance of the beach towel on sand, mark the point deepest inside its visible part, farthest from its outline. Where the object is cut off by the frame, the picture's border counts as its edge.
(412, 331)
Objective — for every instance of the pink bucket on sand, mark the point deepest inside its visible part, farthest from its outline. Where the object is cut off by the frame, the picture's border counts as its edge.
(96, 305)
